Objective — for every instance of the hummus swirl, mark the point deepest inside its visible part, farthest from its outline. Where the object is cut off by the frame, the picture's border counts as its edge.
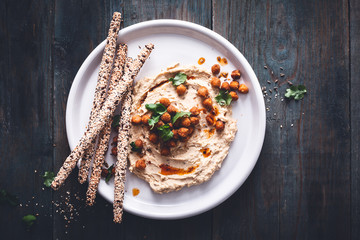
(191, 162)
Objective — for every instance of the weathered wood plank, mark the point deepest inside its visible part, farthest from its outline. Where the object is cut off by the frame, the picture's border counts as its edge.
(355, 117)
(300, 187)
(25, 115)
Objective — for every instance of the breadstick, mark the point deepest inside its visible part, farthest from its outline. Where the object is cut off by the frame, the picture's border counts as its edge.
(100, 90)
(122, 154)
(105, 132)
(104, 115)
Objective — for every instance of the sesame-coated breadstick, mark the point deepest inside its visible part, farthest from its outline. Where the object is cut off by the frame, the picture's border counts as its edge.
(104, 115)
(122, 155)
(100, 90)
(105, 132)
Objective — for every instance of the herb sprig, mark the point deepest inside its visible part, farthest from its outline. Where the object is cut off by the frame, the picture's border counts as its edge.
(29, 220)
(223, 98)
(296, 92)
(179, 79)
(7, 198)
(180, 115)
(116, 121)
(165, 132)
(134, 148)
(48, 178)
(157, 109)
(109, 174)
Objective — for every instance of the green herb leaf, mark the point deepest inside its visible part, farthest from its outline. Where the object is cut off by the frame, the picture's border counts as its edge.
(158, 109)
(296, 92)
(29, 220)
(179, 115)
(134, 148)
(165, 132)
(110, 173)
(7, 198)
(179, 78)
(48, 178)
(116, 121)
(223, 98)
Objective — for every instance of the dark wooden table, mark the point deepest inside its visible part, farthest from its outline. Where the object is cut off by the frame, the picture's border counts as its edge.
(306, 184)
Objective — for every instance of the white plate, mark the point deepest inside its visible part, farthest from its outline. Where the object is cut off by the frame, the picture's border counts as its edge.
(177, 42)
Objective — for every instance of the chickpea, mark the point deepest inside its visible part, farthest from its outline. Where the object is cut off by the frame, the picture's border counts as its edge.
(243, 88)
(215, 82)
(225, 86)
(136, 119)
(194, 111)
(171, 143)
(191, 130)
(181, 89)
(170, 125)
(194, 120)
(235, 74)
(165, 102)
(159, 124)
(234, 95)
(172, 110)
(154, 138)
(177, 124)
(165, 151)
(140, 164)
(166, 117)
(207, 103)
(185, 122)
(203, 92)
(145, 119)
(219, 126)
(115, 139)
(183, 132)
(139, 143)
(176, 134)
(234, 85)
(215, 69)
(114, 151)
(185, 139)
(210, 120)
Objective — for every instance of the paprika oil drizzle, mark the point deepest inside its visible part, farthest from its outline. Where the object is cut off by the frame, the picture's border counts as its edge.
(210, 132)
(168, 170)
(135, 191)
(205, 151)
(222, 61)
(201, 61)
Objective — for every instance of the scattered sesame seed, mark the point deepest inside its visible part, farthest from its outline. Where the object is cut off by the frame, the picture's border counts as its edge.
(280, 126)
(292, 125)
(282, 75)
(276, 80)
(268, 82)
(265, 67)
(35, 171)
(270, 90)
(281, 68)
(263, 88)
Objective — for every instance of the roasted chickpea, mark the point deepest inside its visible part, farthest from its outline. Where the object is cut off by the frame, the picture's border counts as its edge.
(235, 74)
(234, 95)
(210, 120)
(159, 124)
(207, 103)
(181, 89)
(136, 119)
(165, 102)
(219, 126)
(139, 143)
(243, 88)
(166, 117)
(194, 120)
(191, 130)
(183, 132)
(165, 151)
(185, 122)
(170, 125)
(114, 151)
(215, 69)
(176, 135)
(215, 82)
(172, 110)
(171, 143)
(115, 139)
(185, 139)
(145, 119)
(177, 124)
(234, 85)
(154, 138)
(225, 86)
(140, 164)
(194, 111)
(203, 92)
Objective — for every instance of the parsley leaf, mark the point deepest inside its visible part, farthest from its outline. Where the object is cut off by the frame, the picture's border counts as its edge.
(296, 92)
(48, 178)
(158, 109)
(134, 148)
(110, 173)
(223, 98)
(29, 220)
(179, 78)
(7, 198)
(179, 115)
(115, 122)
(165, 132)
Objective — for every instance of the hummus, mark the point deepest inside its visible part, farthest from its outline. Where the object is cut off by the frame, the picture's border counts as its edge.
(190, 162)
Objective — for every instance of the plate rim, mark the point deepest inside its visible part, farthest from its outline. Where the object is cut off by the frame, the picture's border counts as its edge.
(252, 77)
